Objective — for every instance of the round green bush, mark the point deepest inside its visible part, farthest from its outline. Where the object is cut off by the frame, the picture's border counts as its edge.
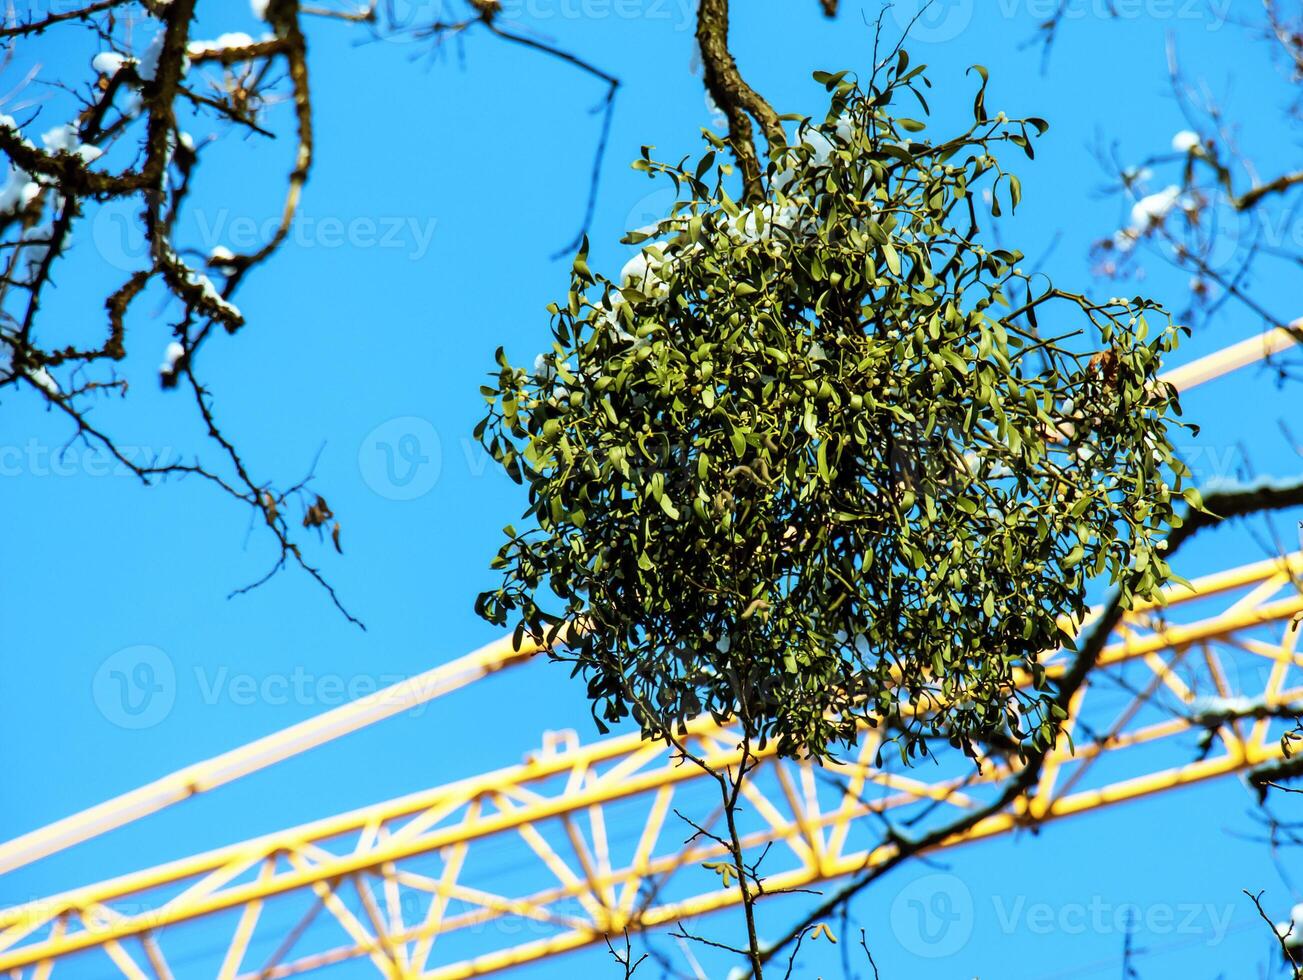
(821, 459)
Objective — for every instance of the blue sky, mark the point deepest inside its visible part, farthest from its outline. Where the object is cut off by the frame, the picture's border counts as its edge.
(442, 188)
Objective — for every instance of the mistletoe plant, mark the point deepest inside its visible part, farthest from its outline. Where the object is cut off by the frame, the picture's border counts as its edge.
(810, 465)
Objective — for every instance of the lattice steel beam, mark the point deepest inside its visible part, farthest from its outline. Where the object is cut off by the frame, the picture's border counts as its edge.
(582, 843)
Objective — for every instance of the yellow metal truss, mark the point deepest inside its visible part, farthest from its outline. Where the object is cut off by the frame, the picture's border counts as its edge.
(583, 842)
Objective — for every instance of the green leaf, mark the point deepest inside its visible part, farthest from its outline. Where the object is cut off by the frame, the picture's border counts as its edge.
(892, 258)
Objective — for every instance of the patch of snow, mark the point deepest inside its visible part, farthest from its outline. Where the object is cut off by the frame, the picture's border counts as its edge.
(1295, 941)
(61, 139)
(544, 370)
(147, 68)
(640, 272)
(232, 39)
(17, 192)
(211, 295)
(757, 224)
(822, 146)
(41, 378)
(66, 139)
(1291, 933)
(611, 317)
(171, 354)
(221, 256)
(108, 62)
(1153, 208)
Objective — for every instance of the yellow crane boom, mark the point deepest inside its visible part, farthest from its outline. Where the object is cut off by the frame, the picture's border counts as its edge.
(583, 843)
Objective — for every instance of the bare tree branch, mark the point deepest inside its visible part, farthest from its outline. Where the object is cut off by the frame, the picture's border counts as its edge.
(739, 102)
